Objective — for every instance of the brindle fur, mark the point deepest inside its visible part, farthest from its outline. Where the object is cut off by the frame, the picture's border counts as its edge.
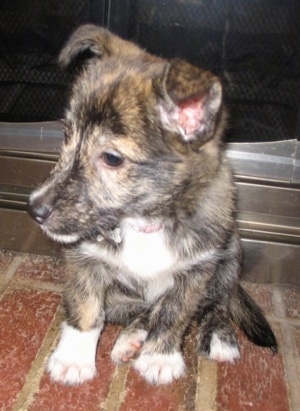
(174, 172)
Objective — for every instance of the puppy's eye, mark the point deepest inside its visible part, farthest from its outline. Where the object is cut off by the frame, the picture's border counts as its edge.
(112, 159)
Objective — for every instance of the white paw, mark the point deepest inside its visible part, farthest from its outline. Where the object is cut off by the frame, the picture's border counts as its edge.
(160, 368)
(73, 360)
(221, 351)
(68, 372)
(128, 345)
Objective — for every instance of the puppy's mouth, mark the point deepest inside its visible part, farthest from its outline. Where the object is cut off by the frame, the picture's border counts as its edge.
(96, 235)
(62, 229)
(70, 225)
(61, 238)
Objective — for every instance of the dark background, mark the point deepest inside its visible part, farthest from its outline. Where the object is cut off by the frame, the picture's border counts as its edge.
(253, 45)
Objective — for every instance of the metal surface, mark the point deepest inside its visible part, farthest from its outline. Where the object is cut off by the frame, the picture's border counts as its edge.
(20, 171)
(20, 233)
(270, 262)
(37, 137)
(268, 190)
(296, 168)
(274, 161)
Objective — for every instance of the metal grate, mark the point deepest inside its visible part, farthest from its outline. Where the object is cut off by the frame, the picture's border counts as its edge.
(32, 33)
(253, 45)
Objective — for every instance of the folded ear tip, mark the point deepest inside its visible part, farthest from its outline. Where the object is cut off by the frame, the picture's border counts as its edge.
(84, 39)
(62, 59)
(215, 93)
(217, 86)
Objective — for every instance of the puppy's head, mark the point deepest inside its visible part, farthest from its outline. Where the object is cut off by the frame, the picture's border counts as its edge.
(141, 139)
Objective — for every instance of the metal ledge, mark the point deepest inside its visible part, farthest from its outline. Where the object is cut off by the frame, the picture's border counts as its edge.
(272, 161)
(277, 161)
(267, 177)
(41, 137)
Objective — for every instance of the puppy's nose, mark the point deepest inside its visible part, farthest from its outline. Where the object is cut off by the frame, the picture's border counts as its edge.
(38, 210)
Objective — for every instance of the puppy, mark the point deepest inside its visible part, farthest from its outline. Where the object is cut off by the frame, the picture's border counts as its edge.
(144, 197)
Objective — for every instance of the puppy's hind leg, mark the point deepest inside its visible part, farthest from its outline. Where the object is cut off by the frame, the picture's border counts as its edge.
(226, 301)
(73, 360)
(217, 338)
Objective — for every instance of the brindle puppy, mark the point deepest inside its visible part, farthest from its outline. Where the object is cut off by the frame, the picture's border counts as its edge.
(144, 196)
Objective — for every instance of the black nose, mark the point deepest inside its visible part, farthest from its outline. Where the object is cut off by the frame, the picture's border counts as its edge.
(38, 210)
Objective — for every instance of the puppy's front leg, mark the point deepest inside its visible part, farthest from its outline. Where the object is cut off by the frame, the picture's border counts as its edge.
(73, 360)
(160, 360)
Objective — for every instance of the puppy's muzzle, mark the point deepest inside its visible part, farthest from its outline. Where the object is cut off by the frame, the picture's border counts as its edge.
(38, 210)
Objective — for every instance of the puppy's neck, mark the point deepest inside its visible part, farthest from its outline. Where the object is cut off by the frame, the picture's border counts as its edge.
(142, 225)
(139, 225)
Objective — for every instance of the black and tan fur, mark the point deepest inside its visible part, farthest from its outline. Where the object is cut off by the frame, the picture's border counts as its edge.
(143, 150)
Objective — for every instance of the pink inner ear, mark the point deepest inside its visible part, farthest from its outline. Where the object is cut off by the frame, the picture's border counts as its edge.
(189, 116)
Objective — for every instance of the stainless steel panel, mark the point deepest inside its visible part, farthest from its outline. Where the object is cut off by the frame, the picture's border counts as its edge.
(270, 200)
(20, 233)
(272, 161)
(269, 262)
(37, 137)
(296, 170)
(270, 228)
(268, 183)
(28, 172)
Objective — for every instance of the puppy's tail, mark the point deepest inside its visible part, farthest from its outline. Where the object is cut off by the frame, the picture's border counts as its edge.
(250, 319)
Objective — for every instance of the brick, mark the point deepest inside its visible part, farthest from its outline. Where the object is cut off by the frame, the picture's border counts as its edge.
(291, 350)
(255, 382)
(296, 330)
(25, 317)
(180, 395)
(291, 300)
(6, 258)
(262, 295)
(206, 385)
(41, 268)
(9, 263)
(88, 396)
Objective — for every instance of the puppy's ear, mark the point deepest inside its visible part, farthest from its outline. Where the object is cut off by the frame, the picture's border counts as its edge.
(96, 42)
(191, 101)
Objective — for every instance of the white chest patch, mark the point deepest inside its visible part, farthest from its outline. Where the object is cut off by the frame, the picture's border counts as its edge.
(145, 254)
(144, 257)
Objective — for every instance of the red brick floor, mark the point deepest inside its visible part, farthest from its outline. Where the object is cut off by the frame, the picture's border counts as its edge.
(30, 317)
